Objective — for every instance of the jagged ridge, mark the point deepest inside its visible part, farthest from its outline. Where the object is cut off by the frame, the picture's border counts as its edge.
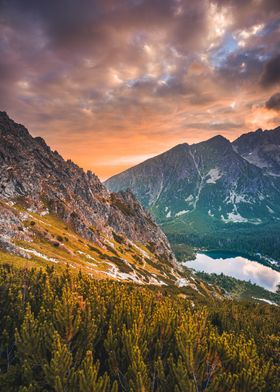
(42, 182)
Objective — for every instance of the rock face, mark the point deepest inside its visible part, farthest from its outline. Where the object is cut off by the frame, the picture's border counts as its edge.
(41, 180)
(211, 188)
(261, 148)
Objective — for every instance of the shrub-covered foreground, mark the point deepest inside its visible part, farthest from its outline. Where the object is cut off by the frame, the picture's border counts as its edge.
(70, 333)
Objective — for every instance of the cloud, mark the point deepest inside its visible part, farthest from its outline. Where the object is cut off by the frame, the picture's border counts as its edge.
(271, 73)
(218, 125)
(99, 74)
(273, 102)
(243, 66)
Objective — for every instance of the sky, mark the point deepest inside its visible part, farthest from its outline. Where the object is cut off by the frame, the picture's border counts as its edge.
(110, 83)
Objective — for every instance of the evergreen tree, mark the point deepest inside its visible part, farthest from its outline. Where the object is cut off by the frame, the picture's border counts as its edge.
(69, 333)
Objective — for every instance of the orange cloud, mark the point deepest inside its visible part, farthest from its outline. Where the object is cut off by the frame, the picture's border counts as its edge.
(109, 84)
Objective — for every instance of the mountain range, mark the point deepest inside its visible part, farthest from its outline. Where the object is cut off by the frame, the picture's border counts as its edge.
(214, 194)
(54, 214)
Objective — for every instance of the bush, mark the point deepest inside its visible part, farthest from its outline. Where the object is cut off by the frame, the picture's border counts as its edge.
(71, 333)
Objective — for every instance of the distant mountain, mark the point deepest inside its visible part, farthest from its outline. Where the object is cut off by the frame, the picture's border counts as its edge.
(204, 193)
(261, 148)
(52, 210)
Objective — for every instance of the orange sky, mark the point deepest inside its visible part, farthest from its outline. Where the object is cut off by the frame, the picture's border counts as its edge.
(112, 83)
(110, 154)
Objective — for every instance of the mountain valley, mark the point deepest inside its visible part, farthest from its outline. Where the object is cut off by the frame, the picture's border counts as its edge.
(213, 194)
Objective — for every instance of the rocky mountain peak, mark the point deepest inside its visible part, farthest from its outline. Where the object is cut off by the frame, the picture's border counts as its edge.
(217, 142)
(259, 131)
(218, 139)
(30, 172)
(181, 147)
(261, 148)
(9, 127)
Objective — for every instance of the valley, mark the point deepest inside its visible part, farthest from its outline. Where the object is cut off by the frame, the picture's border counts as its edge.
(91, 289)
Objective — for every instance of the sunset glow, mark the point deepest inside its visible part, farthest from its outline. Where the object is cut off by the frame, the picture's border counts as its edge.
(112, 83)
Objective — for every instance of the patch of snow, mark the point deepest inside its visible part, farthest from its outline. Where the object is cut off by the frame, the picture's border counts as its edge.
(139, 249)
(86, 255)
(46, 212)
(241, 199)
(214, 175)
(115, 273)
(268, 259)
(234, 217)
(183, 212)
(110, 243)
(189, 199)
(270, 210)
(168, 215)
(166, 209)
(256, 221)
(126, 262)
(157, 282)
(210, 213)
(182, 282)
(161, 283)
(40, 255)
(235, 198)
(32, 209)
(153, 280)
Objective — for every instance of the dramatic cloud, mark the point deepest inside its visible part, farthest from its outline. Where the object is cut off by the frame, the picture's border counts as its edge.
(271, 73)
(273, 102)
(108, 82)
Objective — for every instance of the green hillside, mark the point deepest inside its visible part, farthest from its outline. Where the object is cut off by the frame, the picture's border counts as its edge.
(71, 333)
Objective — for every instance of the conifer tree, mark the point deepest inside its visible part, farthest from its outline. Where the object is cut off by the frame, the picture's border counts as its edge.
(69, 333)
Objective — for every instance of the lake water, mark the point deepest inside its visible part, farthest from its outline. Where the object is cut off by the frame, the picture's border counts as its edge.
(236, 266)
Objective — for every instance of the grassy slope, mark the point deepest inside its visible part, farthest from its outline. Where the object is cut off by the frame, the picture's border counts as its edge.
(54, 240)
(56, 244)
